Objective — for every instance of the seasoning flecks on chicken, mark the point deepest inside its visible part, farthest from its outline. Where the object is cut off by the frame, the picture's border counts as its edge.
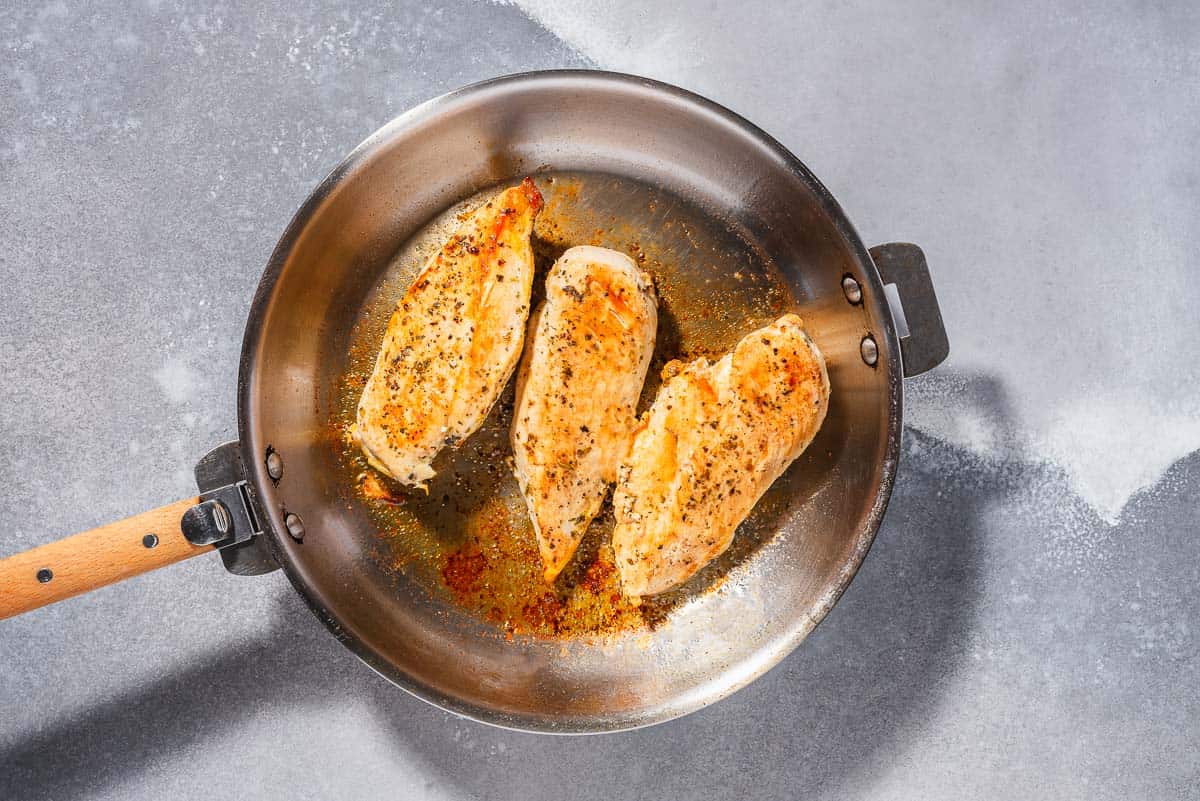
(585, 361)
(453, 340)
(716, 437)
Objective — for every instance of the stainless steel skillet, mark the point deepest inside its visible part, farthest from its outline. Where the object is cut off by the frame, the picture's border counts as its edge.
(738, 229)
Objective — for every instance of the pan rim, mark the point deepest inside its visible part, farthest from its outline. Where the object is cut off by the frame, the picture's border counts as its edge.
(721, 685)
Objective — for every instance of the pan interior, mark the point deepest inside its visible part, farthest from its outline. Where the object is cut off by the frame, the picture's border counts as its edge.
(440, 592)
(468, 542)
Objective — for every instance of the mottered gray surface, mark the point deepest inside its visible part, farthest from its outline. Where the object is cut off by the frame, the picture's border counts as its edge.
(1003, 639)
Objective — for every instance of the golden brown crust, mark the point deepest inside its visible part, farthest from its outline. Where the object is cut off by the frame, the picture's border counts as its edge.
(589, 348)
(716, 437)
(453, 340)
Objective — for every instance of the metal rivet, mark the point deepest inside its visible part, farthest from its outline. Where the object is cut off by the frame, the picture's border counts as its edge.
(869, 350)
(45, 574)
(150, 540)
(295, 526)
(852, 289)
(274, 465)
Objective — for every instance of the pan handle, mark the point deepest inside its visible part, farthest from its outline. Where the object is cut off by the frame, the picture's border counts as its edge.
(96, 558)
(926, 345)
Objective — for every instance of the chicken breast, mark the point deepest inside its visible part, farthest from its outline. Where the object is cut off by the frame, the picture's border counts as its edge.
(453, 340)
(714, 440)
(585, 362)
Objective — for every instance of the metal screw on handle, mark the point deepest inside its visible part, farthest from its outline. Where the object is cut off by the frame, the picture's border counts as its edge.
(295, 526)
(206, 523)
(274, 464)
(869, 350)
(852, 290)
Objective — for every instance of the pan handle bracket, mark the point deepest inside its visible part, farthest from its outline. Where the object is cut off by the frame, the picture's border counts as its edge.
(225, 517)
(925, 345)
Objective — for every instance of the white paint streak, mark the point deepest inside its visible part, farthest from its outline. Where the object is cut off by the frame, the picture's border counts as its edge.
(1056, 202)
(1112, 448)
(177, 380)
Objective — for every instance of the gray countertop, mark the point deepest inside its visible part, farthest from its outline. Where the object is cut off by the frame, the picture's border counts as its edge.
(1026, 625)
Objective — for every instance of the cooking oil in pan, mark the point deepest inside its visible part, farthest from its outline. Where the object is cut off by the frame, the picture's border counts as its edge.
(468, 539)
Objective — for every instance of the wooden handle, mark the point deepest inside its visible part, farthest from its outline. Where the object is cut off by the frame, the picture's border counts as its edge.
(96, 558)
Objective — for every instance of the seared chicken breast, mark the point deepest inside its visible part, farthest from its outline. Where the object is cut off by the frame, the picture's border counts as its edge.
(453, 340)
(714, 440)
(586, 357)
